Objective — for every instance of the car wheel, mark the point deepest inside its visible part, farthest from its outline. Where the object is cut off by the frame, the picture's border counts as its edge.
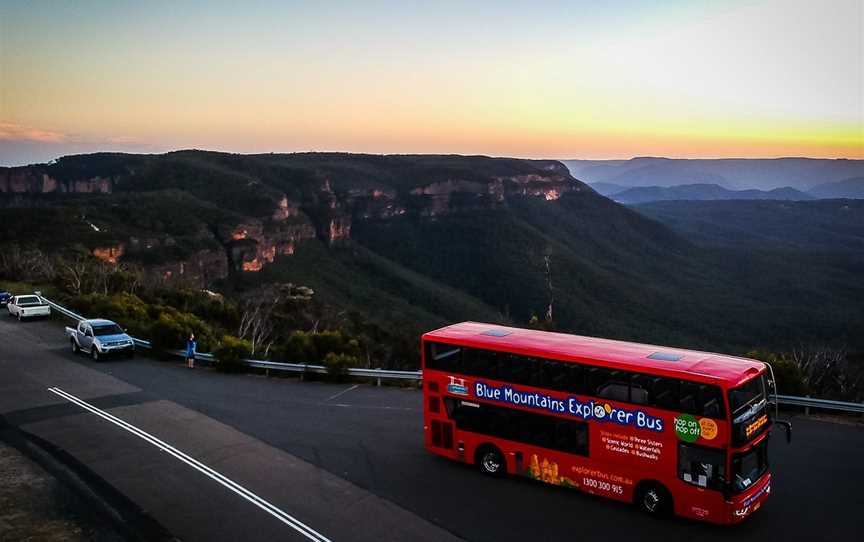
(75, 349)
(94, 353)
(653, 499)
(490, 461)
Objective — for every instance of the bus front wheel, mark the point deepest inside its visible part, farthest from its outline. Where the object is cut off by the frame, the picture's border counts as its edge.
(490, 460)
(654, 499)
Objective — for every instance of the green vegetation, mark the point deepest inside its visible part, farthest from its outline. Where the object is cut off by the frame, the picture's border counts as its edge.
(817, 371)
(338, 364)
(165, 326)
(230, 352)
(790, 377)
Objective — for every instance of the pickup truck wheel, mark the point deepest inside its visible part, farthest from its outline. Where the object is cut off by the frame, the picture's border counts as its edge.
(75, 348)
(94, 353)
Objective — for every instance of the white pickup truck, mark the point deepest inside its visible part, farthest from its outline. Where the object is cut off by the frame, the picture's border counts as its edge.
(27, 306)
(99, 338)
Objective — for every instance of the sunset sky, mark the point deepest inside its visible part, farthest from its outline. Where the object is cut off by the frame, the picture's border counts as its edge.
(563, 79)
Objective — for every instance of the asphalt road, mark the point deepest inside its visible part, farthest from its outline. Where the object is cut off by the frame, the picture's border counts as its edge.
(348, 460)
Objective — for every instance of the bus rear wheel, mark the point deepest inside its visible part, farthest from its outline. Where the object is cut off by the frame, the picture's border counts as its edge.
(653, 499)
(490, 461)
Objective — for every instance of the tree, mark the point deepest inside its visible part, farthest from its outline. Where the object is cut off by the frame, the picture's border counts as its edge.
(260, 311)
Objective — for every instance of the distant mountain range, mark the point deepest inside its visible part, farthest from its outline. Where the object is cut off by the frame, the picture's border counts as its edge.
(849, 188)
(820, 227)
(645, 194)
(732, 173)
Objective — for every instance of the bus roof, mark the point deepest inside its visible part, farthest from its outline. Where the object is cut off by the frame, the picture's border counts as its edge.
(729, 370)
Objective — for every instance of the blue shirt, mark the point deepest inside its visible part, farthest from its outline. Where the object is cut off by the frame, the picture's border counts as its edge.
(191, 345)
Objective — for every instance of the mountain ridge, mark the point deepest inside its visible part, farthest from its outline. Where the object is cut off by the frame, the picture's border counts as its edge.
(731, 173)
(847, 188)
(643, 194)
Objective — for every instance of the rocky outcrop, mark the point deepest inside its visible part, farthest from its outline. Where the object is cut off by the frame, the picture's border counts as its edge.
(31, 180)
(252, 245)
(340, 228)
(456, 195)
(286, 209)
(109, 254)
(547, 187)
(201, 268)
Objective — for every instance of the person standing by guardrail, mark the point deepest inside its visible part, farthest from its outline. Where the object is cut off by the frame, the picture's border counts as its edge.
(191, 345)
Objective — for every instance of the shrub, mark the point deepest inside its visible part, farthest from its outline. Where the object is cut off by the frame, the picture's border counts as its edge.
(305, 347)
(790, 378)
(230, 352)
(337, 365)
(299, 348)
(172, 328)
(167, 333)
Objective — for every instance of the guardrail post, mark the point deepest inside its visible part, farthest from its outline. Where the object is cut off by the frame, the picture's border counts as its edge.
(807, 408)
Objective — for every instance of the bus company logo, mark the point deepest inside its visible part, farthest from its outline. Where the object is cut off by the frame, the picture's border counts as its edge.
(457, 386)
(585, 410)
(756, 425)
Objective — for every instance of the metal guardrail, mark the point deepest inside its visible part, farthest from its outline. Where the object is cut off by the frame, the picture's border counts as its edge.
(320, 369)
(61, 309)
(810, 402)
(379, 374)
(301, 368)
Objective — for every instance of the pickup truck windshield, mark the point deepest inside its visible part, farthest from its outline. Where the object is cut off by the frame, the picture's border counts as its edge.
(29, 300)
(107, 329)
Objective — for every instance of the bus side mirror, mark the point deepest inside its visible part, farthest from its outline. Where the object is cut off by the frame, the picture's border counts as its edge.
(788, 427)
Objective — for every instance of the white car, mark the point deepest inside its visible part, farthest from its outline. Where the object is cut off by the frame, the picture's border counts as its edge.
(27, 306)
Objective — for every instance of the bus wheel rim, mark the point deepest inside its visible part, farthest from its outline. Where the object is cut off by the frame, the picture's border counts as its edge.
(490, 462)
(651, 500)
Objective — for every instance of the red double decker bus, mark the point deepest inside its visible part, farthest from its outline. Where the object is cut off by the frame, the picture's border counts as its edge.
(674, 431)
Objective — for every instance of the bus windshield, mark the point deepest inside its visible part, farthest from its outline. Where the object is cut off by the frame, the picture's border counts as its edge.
(748, 467)
(745, 397)
(750, 417)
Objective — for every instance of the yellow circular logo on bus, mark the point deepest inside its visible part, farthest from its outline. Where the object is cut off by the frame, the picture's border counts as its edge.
(708, 428)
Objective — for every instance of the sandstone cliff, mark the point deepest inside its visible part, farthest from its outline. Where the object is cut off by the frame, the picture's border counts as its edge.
(279, 201)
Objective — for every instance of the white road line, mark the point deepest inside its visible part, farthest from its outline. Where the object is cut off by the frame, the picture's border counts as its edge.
(341, 393)
(271, 509)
